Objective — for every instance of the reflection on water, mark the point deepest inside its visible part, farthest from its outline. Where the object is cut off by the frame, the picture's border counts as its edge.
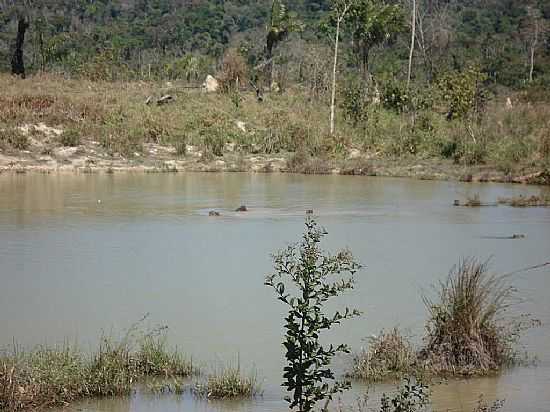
(82, 254)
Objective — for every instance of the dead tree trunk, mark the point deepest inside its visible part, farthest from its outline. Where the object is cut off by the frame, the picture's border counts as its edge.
(17, 63)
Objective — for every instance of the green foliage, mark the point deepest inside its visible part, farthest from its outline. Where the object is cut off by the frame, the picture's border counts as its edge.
(411, 397)
(396, 96)
(463, 92)
(355, 101)
(70, 137)
(14, 138)
(305, 280)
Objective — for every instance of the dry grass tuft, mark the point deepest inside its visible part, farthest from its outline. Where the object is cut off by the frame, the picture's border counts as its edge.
(469, 331)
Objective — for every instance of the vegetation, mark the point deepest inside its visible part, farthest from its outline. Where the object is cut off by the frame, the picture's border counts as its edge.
(468, 332)
(228, 383)
(389, 356)
(526, 201)
(109, 121)
(305, 280)
(454, 95)
(47, 377)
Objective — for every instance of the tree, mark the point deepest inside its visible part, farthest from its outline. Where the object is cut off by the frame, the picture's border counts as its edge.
(373, 22)
(340, 11)
(413, 35)
(535, 28)
(17, 63)
(305, 280)
(282, 23)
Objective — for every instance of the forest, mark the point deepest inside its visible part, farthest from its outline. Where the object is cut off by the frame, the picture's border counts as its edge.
(173, 38)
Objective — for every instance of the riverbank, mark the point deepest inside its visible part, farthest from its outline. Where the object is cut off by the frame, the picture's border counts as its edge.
(162, 159)
(50, 124)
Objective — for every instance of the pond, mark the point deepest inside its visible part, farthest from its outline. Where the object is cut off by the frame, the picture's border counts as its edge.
(82, 254)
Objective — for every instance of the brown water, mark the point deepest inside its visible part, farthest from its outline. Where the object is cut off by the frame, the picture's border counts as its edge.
(82, 254)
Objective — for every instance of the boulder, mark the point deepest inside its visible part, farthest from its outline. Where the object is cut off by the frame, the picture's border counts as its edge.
(213, 213)
(210, 85)
(242, 208)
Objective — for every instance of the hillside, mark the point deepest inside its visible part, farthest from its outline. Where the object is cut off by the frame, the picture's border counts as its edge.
(146, 36)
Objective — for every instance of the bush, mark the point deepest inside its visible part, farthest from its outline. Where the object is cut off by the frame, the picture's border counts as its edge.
(70, 137)
(463, 92)
(388, 356)
(305, 280)
(468, 331)
(14, 138)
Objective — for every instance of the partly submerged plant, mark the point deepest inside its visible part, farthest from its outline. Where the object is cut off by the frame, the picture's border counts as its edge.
(469, 330)
(305, 280)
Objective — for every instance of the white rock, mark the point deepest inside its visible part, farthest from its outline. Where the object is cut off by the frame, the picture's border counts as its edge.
(210, 85)
(354, 154)
(241, 126)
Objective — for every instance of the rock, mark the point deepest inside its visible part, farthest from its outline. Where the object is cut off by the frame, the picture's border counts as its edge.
(518, 236)
(242, 208)
(509, 104)
(213, 213)
(354, 154)
(210, 85)
(241, 126)
(309, 212)
(164, 99)
(456, 203)
(275, 87)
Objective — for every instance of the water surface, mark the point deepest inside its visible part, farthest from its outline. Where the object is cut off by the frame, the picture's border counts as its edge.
(89, 253)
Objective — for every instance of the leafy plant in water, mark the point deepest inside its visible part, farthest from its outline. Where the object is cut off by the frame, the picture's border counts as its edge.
(411, 397)
(305, 280)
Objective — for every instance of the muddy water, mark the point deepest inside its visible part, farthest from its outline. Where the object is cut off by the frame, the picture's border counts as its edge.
(82, 254)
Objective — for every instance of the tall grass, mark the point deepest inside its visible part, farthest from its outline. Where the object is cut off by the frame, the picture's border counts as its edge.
(389, 356)
(469, 330)
(228, 382)
(512, 141)
(47, 377)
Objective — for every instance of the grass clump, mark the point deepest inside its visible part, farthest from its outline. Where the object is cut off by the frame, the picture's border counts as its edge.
(228, 383)
(48, 377)
(469, 331)
(389, 356)
(14, 138)
(70, 138)
(526, 201)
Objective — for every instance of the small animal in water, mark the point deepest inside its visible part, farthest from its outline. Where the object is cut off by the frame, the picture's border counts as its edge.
(512, 237)
(242, 208)
(213, 213)
(309, 212)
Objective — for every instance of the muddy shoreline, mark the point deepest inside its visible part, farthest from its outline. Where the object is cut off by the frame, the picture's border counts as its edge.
(162, 159)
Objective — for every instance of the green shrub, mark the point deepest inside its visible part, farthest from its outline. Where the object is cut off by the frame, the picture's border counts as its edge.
(14, 138)
(70, 137)
(305, 280)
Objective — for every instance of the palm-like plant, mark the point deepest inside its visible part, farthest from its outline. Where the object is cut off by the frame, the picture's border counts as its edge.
(373, 22)
(282, 23)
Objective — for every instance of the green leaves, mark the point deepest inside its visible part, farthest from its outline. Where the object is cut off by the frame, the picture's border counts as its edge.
(313, 278)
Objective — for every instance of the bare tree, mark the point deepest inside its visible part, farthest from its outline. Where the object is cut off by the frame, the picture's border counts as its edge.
(341, 9)
(535, 28)
(413, 35)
